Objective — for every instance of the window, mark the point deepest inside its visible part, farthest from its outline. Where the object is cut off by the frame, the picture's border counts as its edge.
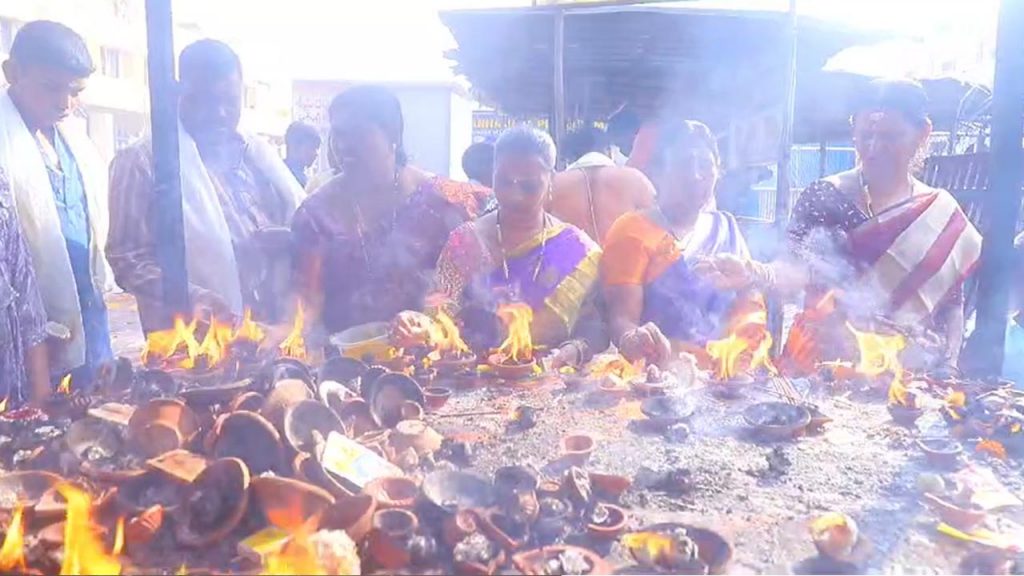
(8, 29)
(111, 62)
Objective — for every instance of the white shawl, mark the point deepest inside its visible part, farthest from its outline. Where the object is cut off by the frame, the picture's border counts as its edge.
(37, 211)
(209, 253)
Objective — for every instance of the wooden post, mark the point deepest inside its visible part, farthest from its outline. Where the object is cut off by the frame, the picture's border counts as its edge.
(782, 185)
(1002, 203)
(822, 158)
(558, 115)
(163, 106)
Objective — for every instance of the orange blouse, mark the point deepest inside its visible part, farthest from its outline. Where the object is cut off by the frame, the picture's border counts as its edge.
(637, 251)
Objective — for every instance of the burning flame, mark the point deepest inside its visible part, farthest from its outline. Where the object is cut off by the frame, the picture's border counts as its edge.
(297, 556)
(166, 343)
(294, 345)
(879, 353)
(518, 347)
(182, 570)
(446, 337)
(992, 448)
(65, 385)
(1015, 429)
(726, 353)
(617, 368)
(652, 545)
(3, 404)
(762, 356)
(898, 395)
(12, 554)
(83, 550)
(955, 401)
(214, 348)
(249, 331)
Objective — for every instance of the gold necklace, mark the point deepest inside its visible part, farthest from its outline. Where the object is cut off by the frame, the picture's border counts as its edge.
(504, 254)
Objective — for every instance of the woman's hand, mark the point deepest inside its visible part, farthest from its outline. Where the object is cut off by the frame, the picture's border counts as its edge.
(726, 271)
(646, 342)
(410, 328)
(569, 354)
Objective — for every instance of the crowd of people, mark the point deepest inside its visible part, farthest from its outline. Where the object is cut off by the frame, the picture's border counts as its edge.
(625, 247)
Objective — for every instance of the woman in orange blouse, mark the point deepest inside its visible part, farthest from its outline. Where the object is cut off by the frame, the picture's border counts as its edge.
(659, 296)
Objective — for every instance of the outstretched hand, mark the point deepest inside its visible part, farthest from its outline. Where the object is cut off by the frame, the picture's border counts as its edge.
(725, 271)
(410, 328)
(646, 342)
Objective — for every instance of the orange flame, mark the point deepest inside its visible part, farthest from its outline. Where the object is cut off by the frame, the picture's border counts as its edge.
(118, 537)
(65, 385)
(992, 448)
(214, 348)
(3, 404)
(1015, 429)
(12, 553)
(83, 550)
(898, 395)
(617, 368)
(297, 556)
(654, 546)
(163, 344)
(294, 345)
(879, 353)
(249, 331)
(182, 570)
(955, 401)
(446, 336)
(518, 346)
(762, 356)
(726, 352)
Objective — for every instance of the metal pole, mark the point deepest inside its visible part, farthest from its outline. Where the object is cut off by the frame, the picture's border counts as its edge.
(1002, 203)
(163, 107)
(782, 185)
(558, 116)
(822, 158)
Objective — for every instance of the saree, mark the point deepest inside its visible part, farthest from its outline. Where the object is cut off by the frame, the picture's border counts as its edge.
(902, 266)
(474, 283)
(686, 307)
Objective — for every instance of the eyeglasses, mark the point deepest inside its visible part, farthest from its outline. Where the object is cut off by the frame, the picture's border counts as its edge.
(529, 186)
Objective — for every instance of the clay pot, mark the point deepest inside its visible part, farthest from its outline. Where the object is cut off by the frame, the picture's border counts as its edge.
(180, 465)
(837, 540)
(215, 394)
(533, 562)
(436, 397)
(284, 394)
(450, 365)
(776, 421)
(53, 534)
(143, 528)
(388, 540)
(577, 448)
(27, 487)
(387, 394)
(665, 411)
(379, 442)
(453, 490)
(713, 550)
(457, 527)
(477, 569)
(905, 416)
(90, 433)
(308, 423)
(162, 425)
(494, 524)
(53, 505)
(113, 412)
(961, 518)
(732, 388)
(415, 434)
(356, 416)
(214, 504)
(248, 401)
(411, 411)
(612, 528)
(334, 394)
(353, 514)
(512, 479)
(549, 489)
(610, 485)
(506, 370)
(941, 452)
(250, 438)
(283, 369)
(393, 492)
(343, 370)
(818, 419)
(287, 503)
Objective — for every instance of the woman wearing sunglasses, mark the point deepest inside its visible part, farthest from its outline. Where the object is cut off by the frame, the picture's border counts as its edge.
(520, 253)
(658, 302)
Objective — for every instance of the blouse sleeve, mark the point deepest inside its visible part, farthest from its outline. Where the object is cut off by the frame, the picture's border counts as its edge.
(626, 258)
(808, 212)
(461, 255)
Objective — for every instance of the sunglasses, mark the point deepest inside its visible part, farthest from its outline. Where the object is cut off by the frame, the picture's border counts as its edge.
(531, 186)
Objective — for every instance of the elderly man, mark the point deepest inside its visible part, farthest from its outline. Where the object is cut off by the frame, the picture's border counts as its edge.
(237, 195)
(59, 187)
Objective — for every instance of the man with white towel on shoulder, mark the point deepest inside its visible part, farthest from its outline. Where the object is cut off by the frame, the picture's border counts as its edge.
(238, 198)
(59, 186)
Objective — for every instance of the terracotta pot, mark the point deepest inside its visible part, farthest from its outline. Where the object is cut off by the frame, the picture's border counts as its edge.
(613, 527)
(179, 465)
(249, 401)
(393, 492)
(287, 502)
(961, 518)
(941, 452)
(353, 514)
(143, 528)
(214, 503)
(343, 370)
(436, 397)
(219, 393)
(308, 424)
(53, 505)
(477, 569)
(283, 395)
(334, 394)
(457, 527)
(388, 544)
(905, 416)
(452, 490)
(356, 416)
(415, 434)
(533, 562)
(53, 534)
(577, 448)
(283, 369)
(611, 485)
(493, 524)
(387, 396)
(155, 426)
(549, 489)
(28, 487)
(450, 365)
(411, 411)
(713, 550)
(250, 438)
